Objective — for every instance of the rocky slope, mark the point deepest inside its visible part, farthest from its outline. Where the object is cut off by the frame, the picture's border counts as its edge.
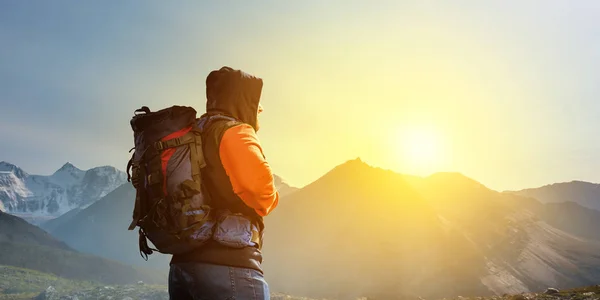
(524, 249)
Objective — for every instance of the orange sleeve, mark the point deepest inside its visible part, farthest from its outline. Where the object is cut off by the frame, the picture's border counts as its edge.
(248, 170)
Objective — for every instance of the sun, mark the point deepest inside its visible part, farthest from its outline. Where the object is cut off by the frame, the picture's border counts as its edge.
(420, 150)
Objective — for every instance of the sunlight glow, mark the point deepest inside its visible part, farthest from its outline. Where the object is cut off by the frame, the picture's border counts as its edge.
(420, 150)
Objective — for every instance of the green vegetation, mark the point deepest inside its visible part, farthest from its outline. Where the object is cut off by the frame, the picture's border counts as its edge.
(19, 283)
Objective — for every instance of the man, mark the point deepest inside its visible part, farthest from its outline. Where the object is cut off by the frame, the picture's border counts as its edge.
(238, 179)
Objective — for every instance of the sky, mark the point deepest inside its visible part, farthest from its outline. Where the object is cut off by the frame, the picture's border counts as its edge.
(504, 92)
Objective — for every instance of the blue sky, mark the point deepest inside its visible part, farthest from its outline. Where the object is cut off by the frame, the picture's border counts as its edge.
(510, 87)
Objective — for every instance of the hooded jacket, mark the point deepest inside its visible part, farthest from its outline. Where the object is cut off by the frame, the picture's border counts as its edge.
(237, 174)
(233, 93)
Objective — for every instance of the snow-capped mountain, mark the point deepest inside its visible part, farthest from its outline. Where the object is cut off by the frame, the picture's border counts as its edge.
(54, 195)
(7, 167)
(12, 189)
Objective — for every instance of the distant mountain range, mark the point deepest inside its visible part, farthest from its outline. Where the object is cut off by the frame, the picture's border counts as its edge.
(360, 231)
(50, 196)
(583, 193)
(38, 198)
(378, 233)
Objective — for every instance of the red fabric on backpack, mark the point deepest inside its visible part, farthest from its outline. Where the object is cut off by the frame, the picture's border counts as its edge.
(165, 156)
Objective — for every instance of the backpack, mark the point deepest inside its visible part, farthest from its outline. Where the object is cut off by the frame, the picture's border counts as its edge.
(172, 207)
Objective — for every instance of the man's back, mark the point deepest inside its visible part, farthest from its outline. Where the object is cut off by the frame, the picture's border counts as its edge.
(239, 181)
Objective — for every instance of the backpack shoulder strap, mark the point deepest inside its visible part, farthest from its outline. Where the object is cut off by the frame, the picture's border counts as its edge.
(202, 125)
(221, 122)
(208, 120)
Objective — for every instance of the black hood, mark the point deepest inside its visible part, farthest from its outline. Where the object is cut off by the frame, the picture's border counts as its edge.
(233, 93)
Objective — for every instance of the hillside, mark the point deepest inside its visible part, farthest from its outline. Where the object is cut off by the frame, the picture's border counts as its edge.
(26, 246)
(523, 251)
(361, 231)
(567, 216)
(371, 229)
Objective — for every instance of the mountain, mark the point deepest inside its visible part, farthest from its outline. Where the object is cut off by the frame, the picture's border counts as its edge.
(283, 187)
(10, 168)
(17, 230)
(525, 243)
(584, 193)
(29, 196)
(52, 225)
(360, 231)
(27, 246)
(379, 233)
(567, 216)
(101, 228)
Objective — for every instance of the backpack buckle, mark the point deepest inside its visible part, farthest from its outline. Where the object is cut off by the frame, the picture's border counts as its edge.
(159, 145)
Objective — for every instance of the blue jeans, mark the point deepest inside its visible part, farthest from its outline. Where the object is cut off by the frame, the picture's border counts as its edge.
(200, 281)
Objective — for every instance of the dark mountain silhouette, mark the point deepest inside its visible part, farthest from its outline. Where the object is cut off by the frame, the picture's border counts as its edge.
(17, 230)
(27, 246)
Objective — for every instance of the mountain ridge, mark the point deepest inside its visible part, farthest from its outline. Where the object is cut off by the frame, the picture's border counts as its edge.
(584, 193)
(490, 244)
(36, 196)
(462, 237)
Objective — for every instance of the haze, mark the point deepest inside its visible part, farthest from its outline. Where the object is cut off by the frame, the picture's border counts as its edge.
(502, 91)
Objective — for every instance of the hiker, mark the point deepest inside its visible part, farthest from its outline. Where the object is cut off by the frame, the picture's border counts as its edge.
(239, 180)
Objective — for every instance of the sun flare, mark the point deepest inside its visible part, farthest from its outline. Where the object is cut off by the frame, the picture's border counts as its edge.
(420, 150)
